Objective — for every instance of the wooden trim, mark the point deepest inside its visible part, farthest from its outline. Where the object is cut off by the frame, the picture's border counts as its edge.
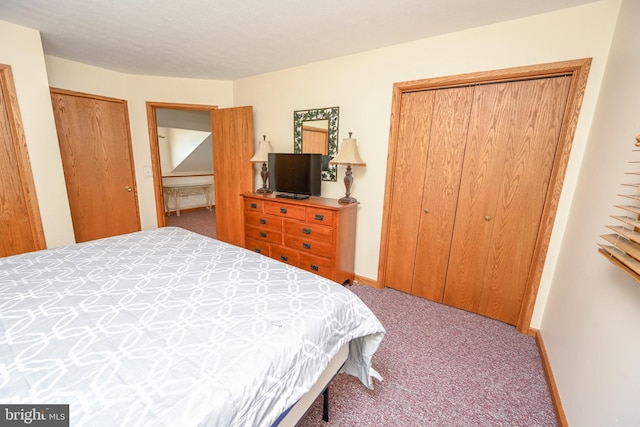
(187, 176)
(156, 171)
(361, 280)
(7, 86)
(551, 382)
(579, 70)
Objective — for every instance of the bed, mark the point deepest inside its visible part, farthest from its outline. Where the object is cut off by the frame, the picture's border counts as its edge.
(170, 328)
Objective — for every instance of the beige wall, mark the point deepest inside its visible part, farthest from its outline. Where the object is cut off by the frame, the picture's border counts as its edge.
(361, 86)
(137, 90)
(592, 317)
(24, 55)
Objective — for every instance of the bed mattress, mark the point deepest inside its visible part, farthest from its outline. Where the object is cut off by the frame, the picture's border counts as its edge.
(169, 328)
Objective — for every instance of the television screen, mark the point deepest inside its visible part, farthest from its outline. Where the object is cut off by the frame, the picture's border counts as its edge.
(296, 175)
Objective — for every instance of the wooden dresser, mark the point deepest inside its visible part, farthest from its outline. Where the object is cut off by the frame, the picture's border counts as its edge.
(316, 234)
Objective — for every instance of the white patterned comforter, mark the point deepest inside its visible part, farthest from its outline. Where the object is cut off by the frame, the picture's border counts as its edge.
(170, 328)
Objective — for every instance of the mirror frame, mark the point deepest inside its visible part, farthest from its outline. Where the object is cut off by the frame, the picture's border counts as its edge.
(331, 114)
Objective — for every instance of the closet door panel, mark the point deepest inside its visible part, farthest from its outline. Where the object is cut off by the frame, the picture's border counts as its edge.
(441, 185)
(530, 150)
(405, 204)
(491, 121)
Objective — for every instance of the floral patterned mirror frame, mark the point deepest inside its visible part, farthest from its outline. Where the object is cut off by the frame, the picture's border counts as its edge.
(330, 114)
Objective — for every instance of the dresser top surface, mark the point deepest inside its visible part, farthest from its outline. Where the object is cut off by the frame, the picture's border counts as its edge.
(312, 201)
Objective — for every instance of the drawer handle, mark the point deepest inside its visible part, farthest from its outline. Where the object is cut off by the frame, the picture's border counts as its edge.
(257, 250)
(306, 245)
(306, 230)
(263, 234)
(284, 258)
(263, 221)
(319, 217)
(254, 206)
(315, 267)
(283, 210)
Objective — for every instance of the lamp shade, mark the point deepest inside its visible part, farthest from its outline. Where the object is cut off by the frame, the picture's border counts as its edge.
(348, 154)
(262, 153)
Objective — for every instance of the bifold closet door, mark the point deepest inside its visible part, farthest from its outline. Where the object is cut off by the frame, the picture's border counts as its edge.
(513, 133)
(425, 189)
(470, 182)
(408, 184)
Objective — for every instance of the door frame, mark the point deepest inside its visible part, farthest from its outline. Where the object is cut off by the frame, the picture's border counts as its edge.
(155, 148)
(578, 69)
(19, 144)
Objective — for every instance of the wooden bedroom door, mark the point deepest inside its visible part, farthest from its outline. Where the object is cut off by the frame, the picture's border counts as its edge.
(468, 182)
(20, 223)
(232, 137)
(95, 146)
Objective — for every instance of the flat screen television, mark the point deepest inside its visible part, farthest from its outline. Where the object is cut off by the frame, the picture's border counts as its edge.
(295, 176)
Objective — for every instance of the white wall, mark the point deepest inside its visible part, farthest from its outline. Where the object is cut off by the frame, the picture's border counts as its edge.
(24, 55)
(137, 90)
(361, 85)
(591, 325)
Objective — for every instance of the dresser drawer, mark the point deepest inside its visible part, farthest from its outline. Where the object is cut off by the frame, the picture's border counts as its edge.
(284, 210)
(287, 255)
(313, 247)
(252, 205)
(320, 266)
(263, 221)
(263, 234)
(319, 216)
(310, 231)
(257, 246)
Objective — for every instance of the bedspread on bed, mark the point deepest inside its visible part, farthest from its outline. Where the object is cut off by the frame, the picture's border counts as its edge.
(170, 328)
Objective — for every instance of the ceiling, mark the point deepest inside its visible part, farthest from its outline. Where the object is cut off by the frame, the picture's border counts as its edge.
(232, 39)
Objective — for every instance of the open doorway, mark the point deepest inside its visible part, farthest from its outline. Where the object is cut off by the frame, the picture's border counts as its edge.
(182, 166)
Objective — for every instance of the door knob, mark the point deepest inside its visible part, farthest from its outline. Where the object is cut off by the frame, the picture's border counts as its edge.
(128, 188)
(487, 218)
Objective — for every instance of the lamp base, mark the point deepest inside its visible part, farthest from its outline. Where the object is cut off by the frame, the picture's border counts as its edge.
(264, 190)
(347, 199)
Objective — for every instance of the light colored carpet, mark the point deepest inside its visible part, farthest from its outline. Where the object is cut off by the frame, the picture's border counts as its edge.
(199, 221)
(441, 367)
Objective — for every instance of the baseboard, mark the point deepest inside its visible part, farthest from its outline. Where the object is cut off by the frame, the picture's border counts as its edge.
(192, 209)
(361, 280)
(551, 382)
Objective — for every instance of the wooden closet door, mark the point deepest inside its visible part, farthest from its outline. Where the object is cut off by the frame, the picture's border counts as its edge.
(95, 145)
(408, 183)
(20, 224)
(513, 134)
(447, 141)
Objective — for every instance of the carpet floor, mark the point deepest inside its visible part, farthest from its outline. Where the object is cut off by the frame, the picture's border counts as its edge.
(441, 367)
(201, 221)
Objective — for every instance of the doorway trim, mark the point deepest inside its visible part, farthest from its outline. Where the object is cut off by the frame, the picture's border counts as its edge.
(578, 69)
(155, 148)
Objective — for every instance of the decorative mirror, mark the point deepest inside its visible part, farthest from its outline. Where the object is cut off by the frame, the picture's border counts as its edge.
(316, 131)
